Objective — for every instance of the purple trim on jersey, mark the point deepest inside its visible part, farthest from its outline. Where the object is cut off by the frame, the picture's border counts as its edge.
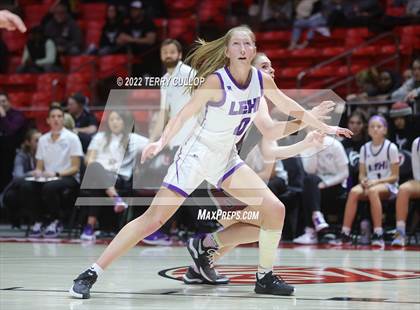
(380, 149)
(261, 82)
(176, 164)
(234, 81)
(175, 189)
(229, 173)
(222, 101)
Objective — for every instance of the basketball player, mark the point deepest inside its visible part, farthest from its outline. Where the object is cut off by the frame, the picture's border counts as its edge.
(378, 177)
(269, 151)
(228, 102)
(11, 22)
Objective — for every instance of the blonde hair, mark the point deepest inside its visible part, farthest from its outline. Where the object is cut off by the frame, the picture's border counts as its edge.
(207, 57)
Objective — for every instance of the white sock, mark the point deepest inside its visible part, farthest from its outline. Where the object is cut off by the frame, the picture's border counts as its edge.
(401, 226)
(95, 267)
(378, 230)
(345, 230)
(268, 244)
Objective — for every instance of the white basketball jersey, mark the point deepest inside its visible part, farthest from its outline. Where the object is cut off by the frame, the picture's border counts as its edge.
(224, 123)
(378, 165)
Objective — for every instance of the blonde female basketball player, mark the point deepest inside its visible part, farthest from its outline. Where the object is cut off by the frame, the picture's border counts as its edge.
(228, 102)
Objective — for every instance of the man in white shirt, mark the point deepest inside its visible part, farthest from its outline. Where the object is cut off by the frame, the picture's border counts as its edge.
(174, 92)
(326, 170)
(57, 169)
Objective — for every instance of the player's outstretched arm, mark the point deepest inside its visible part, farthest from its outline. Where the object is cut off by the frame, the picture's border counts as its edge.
(313, 139)
(200, 97)
(274, 130)
(291, 107)
(10, 21)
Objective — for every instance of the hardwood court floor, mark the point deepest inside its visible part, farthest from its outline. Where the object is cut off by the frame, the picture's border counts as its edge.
(37, 275)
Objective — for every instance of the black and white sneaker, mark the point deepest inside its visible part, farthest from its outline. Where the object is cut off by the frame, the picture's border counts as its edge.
(377, 240)
(342, 239)
(82, 284)
(273, 285)
(203, 258)
(192, 277)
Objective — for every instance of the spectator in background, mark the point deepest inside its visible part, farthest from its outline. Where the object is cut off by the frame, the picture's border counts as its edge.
(64, 31)
(111, 30)
(276, 13)
(138, 36)
(410, 90)
(413, 8)
(387, 83)
(407, 191)
(327, 168)
(365, 12)
(39, 55)
(57, 169)
(24, 166)
(86, 124)
(308, 16)
(110, 162)
(338, 12)
(407, 74)
(366, 81)
(12, 124)
(402, 130)
(357, 123)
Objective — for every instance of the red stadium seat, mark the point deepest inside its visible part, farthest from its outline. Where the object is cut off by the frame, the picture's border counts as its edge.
(272, 36)
(181, 8)
(326, 71)
(21, 99)
(23, 79)
(332, 51)
(85, 63)
(182, 29)
(358, 32)
(162, 27)
(41, 99)
(112, 64)
(290, 72)
(47, 80)
(277, 54)
(399, 11)
(33, 14)
(366, 51)
(305, 53)
(93, 11)
(388, 50)
(15, 41)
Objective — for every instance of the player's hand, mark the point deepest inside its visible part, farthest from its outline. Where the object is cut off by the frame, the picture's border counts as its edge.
(151, 150)
(10, 21)
(324, 108)
(371, 183)
(411, 95)
(314, 139)
(339, 131)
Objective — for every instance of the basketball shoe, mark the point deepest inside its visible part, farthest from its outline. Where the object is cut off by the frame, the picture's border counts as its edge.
(203, 258)
(273, 285)
(82, 284)
(193, 277)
